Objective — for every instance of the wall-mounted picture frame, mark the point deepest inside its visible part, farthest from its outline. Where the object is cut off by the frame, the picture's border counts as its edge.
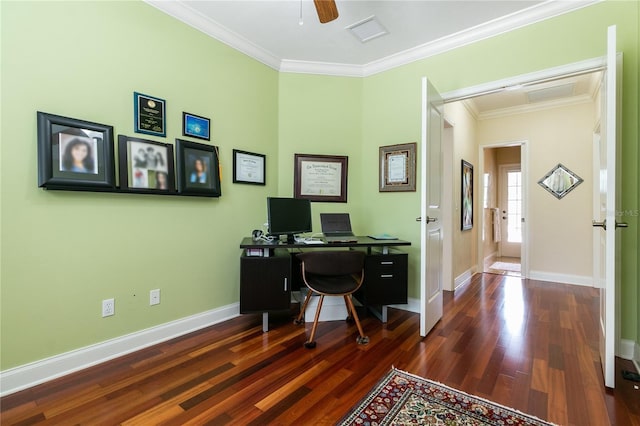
(467, 196)
(145, 166)
(560, 181)
(198, 169)
(149, 115)
(249, 167)
(74, 154)
(321, 177)
(196, 126)
(398, 167)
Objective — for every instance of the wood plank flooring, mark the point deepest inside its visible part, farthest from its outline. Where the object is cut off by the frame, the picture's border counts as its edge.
(528, 345)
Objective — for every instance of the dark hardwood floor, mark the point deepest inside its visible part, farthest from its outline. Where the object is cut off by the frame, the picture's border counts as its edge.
(528, 345)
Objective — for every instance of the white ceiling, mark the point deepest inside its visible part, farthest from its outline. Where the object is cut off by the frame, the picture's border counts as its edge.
(269, 30)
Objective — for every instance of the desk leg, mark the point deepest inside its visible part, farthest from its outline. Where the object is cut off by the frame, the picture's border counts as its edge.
(380, 314)
(265, 322)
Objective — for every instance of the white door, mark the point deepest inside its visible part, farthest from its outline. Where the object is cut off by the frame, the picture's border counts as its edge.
(510, 210)
(605, 247)
(431, 209)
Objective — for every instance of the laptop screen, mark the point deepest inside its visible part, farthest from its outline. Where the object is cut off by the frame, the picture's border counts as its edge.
(333, 223)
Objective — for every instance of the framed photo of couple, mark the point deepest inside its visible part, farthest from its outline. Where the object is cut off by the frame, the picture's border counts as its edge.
(74, 154)
(145, 166)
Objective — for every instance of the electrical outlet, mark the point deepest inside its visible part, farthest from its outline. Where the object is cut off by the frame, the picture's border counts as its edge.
(154, 297)
(108, 307)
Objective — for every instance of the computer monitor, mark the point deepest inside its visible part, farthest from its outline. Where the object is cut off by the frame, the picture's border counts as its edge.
(288, 216)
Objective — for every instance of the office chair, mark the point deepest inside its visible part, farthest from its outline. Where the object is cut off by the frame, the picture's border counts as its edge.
(332, 273)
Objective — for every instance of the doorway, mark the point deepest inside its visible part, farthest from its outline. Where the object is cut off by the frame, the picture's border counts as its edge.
(503, 198)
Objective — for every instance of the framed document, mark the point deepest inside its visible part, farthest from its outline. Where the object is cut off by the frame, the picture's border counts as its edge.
(149, 115)
(321, 177)
(248, 167)
(398, 167)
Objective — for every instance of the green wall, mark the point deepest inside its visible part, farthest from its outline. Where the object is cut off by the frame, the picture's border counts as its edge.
(63, 252)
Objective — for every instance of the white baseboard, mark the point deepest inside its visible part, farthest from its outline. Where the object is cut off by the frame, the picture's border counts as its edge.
(586, 281)
(464, 278)
(28, 375)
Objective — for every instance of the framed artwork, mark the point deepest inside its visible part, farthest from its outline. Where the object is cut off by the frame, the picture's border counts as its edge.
(74, 154)
(467, 195)
(248, 167)
(198, 169)
(321, 177)
(145, 166)
(398, 167)
(149, 115)
(560, 181)
(196, 126)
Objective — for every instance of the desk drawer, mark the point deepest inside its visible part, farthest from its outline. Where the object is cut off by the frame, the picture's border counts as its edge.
(385, 279)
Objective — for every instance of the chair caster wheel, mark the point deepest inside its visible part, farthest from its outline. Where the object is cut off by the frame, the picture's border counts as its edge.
(298, 322)
(362, 340)
(309, 345)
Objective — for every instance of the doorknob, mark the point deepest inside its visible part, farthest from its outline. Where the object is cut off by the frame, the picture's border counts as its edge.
(429, 219)
(602, 224)
(622, 224)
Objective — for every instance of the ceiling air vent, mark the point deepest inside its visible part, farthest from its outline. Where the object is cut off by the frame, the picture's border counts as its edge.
(367, 29)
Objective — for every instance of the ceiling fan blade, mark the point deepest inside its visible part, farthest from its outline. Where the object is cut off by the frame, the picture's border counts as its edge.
(327, 10)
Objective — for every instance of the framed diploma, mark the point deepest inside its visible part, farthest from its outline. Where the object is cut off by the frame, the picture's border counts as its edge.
(321, 177)
(248, 167)
(398, 167)
(149, 115)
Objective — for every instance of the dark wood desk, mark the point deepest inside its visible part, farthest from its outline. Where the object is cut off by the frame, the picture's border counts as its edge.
(266, 274)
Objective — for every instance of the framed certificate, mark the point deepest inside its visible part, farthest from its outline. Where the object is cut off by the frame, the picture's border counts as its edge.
(149, 115)
(248, 167)
(398, 167)
(321, 177)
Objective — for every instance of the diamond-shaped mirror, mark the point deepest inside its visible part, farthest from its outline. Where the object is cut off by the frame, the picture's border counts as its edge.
(560, 181)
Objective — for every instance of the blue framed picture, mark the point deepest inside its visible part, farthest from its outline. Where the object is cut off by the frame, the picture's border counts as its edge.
(196, 126)
(149, 115)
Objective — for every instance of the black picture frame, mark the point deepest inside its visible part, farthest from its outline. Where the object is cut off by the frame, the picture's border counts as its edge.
(466, 176)
(198, 169)
(150, 115)
(196, 126)
(145, 166)
(249, 167)
(58, 138)
(321, 177)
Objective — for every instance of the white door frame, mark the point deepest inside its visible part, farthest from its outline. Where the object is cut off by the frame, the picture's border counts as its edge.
(524, 169)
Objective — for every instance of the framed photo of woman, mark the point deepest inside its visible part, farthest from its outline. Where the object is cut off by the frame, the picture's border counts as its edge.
(146, 166)
(198, 169)
(74, 154)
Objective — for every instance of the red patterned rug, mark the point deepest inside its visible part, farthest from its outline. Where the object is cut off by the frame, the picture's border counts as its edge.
(401, 398)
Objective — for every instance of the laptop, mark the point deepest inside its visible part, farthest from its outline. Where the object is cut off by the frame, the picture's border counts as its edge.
(336, 228)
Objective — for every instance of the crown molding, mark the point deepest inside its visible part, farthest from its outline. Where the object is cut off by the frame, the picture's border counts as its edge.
(543, 11)
(195, 19)
(322, 68)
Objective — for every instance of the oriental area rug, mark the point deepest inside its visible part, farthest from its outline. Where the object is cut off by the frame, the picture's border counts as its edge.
(401, 398)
